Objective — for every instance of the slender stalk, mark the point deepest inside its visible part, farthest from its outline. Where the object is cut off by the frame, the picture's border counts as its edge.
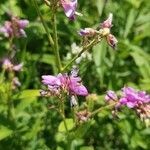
(43, 22)
(92, 43)
(57, 55)
(10, 105)
(102, 108)
(63, 116)
(53, 42)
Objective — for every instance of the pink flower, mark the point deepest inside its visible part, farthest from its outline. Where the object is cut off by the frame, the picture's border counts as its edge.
(70, 84)
(7, 65)
(111, 95)
(132, 98)
(14, 28)
(69, 7)
(108, 22)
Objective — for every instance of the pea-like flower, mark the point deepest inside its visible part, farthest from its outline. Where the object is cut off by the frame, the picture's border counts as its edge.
(7, 65)
(14, 28)
(64, 83)
(70, 7)
(133, 99)
(87, 32)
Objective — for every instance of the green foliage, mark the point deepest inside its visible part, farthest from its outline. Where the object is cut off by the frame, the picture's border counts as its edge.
(35, 126)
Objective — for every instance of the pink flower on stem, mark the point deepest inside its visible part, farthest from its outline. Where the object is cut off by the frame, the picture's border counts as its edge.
(14, 28)
(69, 7)
(64, 83)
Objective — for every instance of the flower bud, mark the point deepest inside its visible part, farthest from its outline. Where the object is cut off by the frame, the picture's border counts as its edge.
(112, 41)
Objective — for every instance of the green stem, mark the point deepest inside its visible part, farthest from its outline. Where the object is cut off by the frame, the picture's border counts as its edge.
(56, 50)
(10, 108)
(44, 24)
(102, 108)
(62, 112)
(93, 42)
(53, 42)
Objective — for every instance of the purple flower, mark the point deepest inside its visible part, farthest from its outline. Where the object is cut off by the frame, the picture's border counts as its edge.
(111, 95)
(7, 65)
(108, 22)
(70, 84)
(14, 28)
(69, 7)
(132, 98)
(51, 80)
(87, 32)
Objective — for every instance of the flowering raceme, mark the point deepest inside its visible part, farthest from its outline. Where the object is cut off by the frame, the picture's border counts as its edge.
(14, 28)
(137, 100)
(103, 32)
(64, 83)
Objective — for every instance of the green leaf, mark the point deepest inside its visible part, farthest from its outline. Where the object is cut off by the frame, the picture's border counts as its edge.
(4, 132)
(28, 94)
(70, 125)
(130, 22)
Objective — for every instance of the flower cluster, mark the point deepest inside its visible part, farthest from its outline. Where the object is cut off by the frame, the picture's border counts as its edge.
(61, 84)
(11, 68)
(103, 32)
(137, 100)
(14, 28)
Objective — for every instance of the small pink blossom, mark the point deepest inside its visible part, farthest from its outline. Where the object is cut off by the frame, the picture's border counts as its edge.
(112, 41)
(69, 7)
(9, 66)
(70, 84)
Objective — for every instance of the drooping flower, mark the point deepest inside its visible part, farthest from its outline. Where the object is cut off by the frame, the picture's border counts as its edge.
(132, 98)
(69, 7)
(14, 28)
(112, 41)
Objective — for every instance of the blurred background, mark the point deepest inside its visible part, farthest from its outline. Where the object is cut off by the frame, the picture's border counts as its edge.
(37, 127)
